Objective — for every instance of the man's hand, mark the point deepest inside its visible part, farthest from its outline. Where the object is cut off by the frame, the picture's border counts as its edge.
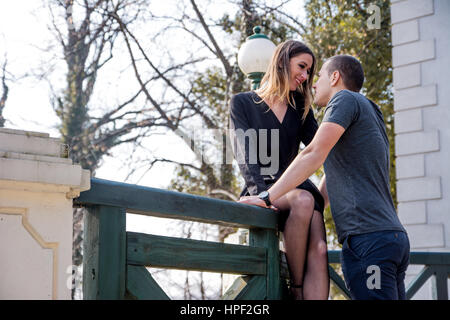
(254, 200)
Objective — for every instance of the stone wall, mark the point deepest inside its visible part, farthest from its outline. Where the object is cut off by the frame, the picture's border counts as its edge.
(421, 64)
(37, 184)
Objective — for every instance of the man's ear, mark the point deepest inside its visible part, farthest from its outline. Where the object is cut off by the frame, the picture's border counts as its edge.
(335, 76)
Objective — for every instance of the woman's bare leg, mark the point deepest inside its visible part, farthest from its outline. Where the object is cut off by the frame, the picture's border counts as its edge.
(316, 283)
(301, 206)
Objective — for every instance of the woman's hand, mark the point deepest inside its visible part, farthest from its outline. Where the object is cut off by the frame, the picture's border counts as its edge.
(254, 200)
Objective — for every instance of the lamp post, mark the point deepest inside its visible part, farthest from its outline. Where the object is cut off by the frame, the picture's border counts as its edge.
(254, 56)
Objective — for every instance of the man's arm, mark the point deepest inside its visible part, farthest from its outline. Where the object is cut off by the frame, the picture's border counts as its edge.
(308, 161)
(305, 164)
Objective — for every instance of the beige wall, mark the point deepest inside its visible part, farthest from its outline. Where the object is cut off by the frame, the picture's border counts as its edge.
(36, 190)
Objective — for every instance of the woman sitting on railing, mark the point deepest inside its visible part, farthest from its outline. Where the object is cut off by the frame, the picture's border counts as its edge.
(276, 118)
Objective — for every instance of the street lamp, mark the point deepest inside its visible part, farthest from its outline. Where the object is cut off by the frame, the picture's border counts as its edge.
(254, 56)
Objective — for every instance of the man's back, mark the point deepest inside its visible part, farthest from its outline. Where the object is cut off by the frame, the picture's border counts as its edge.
(357, 168)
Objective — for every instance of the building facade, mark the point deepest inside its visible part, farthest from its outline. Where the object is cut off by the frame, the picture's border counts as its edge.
(421, 64)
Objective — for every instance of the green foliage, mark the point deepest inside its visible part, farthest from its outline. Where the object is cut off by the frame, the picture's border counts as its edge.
(340, 27)
(210, 88)
(187, 181)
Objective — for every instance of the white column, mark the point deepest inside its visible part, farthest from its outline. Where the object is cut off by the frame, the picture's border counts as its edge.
(421, 65)
(37, 184)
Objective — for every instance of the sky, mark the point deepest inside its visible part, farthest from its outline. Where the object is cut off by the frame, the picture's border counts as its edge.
(21, 33)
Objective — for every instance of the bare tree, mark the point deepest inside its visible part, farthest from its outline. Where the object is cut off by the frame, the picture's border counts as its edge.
(173, 92)
(5, 90)
(87, 46)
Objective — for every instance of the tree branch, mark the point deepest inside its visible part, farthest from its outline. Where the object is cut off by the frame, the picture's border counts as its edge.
(5, 91)
(226, 64)
(210, 124)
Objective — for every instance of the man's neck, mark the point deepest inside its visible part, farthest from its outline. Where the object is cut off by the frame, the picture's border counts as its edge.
(335, 90)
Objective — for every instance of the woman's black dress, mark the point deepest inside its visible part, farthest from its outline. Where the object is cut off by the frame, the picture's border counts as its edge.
(245, 114)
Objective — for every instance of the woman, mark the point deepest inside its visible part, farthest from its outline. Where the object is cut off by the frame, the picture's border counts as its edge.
(281, 108)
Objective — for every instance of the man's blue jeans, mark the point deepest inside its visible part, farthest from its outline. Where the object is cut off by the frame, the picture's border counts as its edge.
(374, 265)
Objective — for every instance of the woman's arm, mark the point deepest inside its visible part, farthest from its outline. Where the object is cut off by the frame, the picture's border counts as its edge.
(244, 139)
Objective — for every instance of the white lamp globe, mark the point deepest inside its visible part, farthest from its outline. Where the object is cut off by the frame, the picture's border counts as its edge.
(255, 54)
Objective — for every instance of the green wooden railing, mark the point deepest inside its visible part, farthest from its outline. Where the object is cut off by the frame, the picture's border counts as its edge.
(115, 261)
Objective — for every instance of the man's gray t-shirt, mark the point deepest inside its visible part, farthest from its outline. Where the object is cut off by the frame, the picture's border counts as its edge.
(357, 168)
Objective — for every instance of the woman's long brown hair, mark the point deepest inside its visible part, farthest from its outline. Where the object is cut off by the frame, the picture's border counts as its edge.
(275, 83)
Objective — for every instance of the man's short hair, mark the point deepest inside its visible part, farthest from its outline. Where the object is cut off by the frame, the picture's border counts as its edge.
(350, 70)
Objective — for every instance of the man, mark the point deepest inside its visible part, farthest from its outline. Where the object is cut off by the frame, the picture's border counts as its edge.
(352, 144)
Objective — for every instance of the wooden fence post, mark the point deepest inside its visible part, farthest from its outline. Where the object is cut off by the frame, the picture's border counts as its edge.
(439, 283)
(104, 269)
(267, 238)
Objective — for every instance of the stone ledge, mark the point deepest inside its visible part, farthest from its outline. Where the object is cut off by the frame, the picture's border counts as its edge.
(410, 9)
(30, 144)
(405, 32)
(24, 156)
(410, 166)
(414, 212)
(416, 189)
(416, 142)
(407, 76)
(25, 133)
(22, 172)
(413, 52)
(415, 97)
(425, 236)
(408, 121)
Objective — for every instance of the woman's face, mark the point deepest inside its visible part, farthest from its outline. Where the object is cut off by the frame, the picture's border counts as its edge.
(299, 69)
